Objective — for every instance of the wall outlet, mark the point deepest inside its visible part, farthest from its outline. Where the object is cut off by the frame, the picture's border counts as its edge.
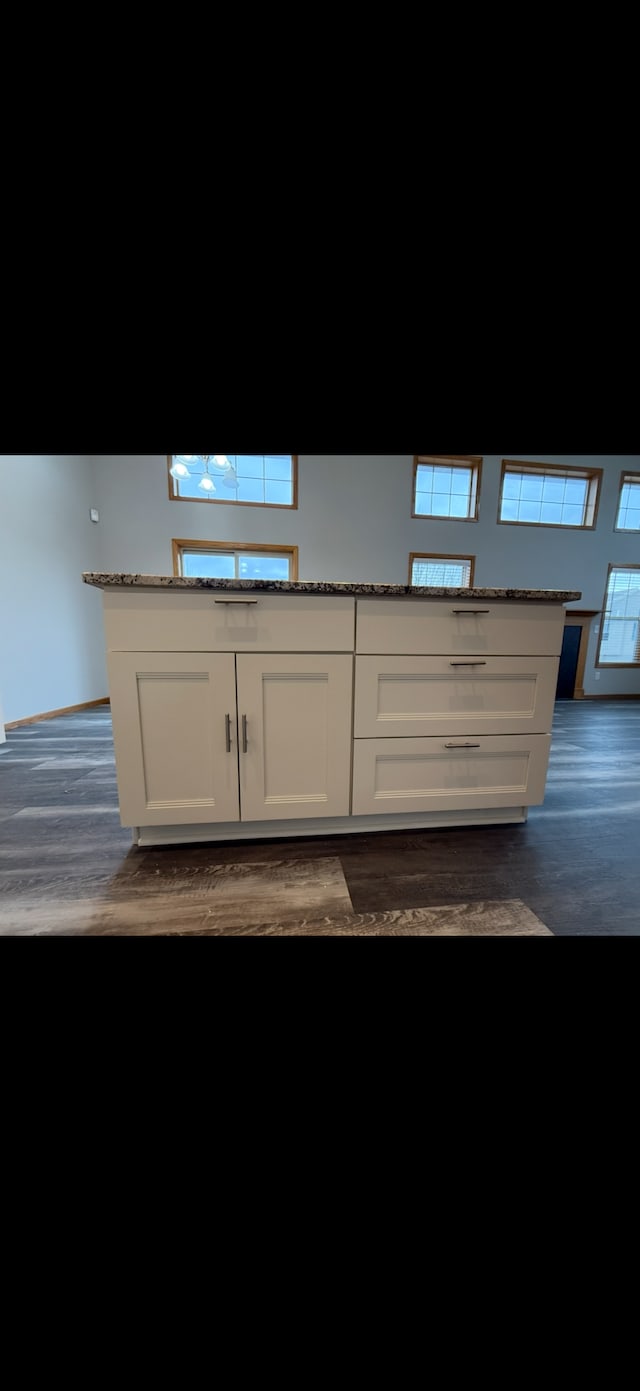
(596, 675)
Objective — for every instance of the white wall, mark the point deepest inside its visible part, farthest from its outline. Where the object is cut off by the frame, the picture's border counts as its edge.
(51, 630)
(354, 523)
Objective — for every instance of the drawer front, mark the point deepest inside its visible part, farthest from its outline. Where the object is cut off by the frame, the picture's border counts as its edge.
(399, 775)
(403, 696)
(180, 621)
(459, 627)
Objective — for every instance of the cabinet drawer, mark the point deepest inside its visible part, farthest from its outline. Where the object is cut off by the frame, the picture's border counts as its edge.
(227, 622)
(399, 775)
(460, 627)
(400, 696)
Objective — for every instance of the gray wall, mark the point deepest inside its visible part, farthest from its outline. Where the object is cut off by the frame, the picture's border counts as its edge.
(354, 523)
(51, 631)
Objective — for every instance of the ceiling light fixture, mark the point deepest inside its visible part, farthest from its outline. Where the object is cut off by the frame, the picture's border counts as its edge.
(218, 464)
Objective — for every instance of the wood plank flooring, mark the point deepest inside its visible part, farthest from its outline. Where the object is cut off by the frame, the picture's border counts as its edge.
(68, 868)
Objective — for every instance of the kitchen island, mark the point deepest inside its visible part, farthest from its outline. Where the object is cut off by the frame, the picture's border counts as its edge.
(255, 708)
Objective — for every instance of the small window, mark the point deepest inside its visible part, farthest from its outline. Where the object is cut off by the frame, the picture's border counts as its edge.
(232, 560)
(447, 485)
(548, 495)
(441, 571)
(620, 627)
(628, 518)
(249, 480)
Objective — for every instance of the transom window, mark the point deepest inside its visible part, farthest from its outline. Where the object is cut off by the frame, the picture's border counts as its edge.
(233, 560)
(549, 495)
(620, 627)
(628, 518)
(252, 480)
(441, 571)
(447, 485)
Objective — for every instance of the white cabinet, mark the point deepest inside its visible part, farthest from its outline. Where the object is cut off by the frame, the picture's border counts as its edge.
(239, 714)
(459, 627)
(190, 621)
(453, 705)
(409, 696)
(214, 737)
(296, 758)
(174, 760)
(442, 774)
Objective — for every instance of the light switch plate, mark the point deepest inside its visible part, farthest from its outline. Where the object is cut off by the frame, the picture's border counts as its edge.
(94, 514)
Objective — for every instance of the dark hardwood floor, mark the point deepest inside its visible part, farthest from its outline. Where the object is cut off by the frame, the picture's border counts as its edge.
(67, 866)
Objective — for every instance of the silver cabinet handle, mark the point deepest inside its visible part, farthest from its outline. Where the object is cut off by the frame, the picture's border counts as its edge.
(228, 732)
(463, 746)
(467, 664)
(463, 611)
(236, 603)
(245, 746)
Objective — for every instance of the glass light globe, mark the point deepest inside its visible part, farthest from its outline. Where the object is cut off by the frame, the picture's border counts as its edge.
(207, 484)
(179, 471)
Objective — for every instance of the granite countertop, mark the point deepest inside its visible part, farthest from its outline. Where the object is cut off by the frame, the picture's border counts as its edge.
(115, 581)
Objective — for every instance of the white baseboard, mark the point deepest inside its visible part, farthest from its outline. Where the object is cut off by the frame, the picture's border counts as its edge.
(144, 836)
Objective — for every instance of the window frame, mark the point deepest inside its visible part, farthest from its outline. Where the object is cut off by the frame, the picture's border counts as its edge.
(593, 476)
(231, 502)
(626, 477)
(613, 666)
(433, 555)
(179, 545)
(473, 461)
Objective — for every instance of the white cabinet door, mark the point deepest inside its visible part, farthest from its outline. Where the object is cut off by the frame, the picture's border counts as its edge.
(174, 714)
(297, 713)
(448, 774)
(411, 696)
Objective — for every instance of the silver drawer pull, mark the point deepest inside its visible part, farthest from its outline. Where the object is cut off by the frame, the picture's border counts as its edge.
(237, 603)
(228, 732)
(463, 746)
(464, 611)
(245, 745)
(467, 664)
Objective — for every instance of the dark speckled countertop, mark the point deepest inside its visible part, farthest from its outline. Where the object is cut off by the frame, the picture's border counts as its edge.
(382, 591)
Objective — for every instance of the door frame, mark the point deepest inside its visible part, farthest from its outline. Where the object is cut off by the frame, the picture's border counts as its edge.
(581, 618)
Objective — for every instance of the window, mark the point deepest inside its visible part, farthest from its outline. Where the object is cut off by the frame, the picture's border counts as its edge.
(620, 628)
(232, 560)
(549, 495)
(250, 480)
(441, 571)
(447, 485)
(628, 518)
